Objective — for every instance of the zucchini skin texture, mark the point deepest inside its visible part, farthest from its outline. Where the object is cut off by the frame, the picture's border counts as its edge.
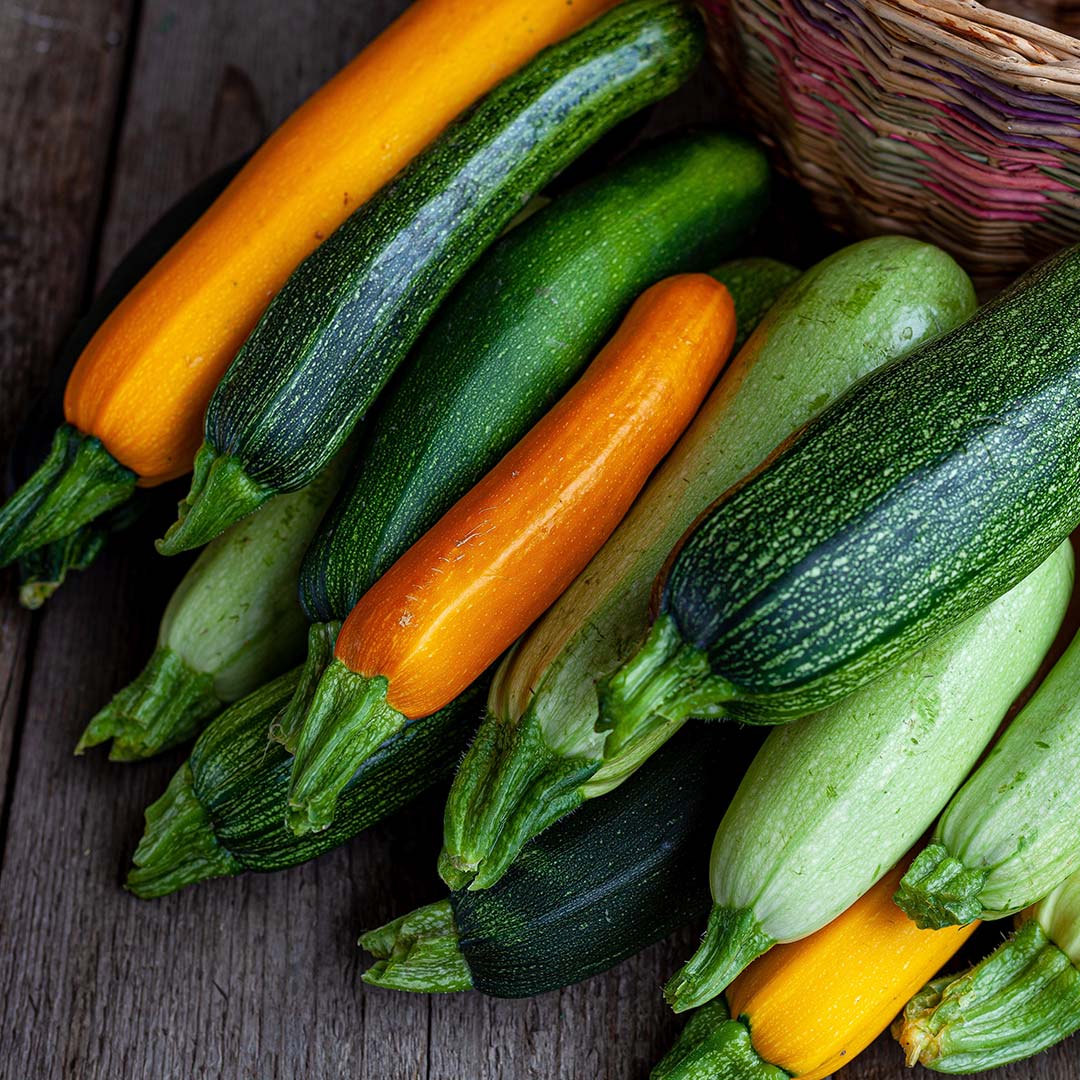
(516, 333)
(351, 311)
(43, 570)
(238, 781)
(603, 883)
(931, 488)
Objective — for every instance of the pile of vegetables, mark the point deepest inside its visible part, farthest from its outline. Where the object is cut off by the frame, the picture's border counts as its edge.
(560, 509)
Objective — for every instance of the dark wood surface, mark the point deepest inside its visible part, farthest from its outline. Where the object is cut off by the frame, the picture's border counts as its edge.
(109, 110)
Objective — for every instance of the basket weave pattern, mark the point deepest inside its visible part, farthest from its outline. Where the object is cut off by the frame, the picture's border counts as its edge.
(945, 120)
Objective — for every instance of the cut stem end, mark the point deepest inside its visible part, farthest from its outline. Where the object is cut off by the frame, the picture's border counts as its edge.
(938, 890)
(418, 952)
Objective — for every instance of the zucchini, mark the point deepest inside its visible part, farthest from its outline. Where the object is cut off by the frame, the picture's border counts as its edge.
(1019, 1001)
(620, 874)
(43, 570)
(537, 754)
(754, 283)
(232, 624)
(835, 799)
(1012, 832)
(509, 342)
(221, 813)
(350, 312)
(933, 486)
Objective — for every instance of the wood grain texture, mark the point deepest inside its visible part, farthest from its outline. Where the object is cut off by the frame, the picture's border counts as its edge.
(254, 977)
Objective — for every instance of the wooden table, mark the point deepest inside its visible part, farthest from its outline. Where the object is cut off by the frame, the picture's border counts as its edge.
(109, 110)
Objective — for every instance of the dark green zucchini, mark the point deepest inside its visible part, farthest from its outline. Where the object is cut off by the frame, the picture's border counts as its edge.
(42, 571)
(352, 310)
(511, 339)
(599, 885)
(932, 487)
(221, 813)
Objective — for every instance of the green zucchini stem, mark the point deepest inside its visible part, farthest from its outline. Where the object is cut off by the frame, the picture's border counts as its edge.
(348, 721)
(1023, 998)
(167, 703)
(938, 890)
(733, 938)
(713, 1046)
(509, 787)
(178, 847)
(77, 482)
(320, 655)
(221, 493)
(664, 683)
(418, 952)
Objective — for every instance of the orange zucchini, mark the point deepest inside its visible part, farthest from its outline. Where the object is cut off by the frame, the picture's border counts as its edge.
(809, 1007)
(506, 550)
(134, 403)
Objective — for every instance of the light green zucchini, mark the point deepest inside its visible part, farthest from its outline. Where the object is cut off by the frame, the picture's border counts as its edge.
(1012, 832)
(233, 623)
(1019, 1001)
(537, 754)
(832, 801)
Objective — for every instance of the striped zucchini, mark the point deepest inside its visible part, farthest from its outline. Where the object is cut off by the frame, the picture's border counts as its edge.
(932, 487)
(221, 813)
(508, 343)
(1019, 1001)
(596, 888)
(1012, 832)
(537, 754)
(835, 799)
(350, 312)
(232, 624)
(43, 569)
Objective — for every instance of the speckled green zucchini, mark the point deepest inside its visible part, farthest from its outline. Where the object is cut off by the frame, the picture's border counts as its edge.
(833, 800)
(621, 873)
(537, 754)
(511, 339)
(221, 813)
(933, 486)
(351, 311)
(42, 569)
(1012, 832)
(232, 624)
(1019, 1001)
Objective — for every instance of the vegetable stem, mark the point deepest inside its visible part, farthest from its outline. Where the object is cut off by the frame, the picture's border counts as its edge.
(733, 938)
(167, 703)
(78, 481)
(418, 952)
(1020, 1000)
(221, 493)
(320, 654)
(178, 847)
(665, 682)
(510, 787)
(348, 720)
(713, 1046)
(938, 890)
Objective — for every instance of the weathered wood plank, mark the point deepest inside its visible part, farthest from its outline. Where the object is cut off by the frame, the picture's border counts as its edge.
(60, 70)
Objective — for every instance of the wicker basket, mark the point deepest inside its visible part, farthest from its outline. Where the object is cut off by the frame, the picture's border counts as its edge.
(945, 119)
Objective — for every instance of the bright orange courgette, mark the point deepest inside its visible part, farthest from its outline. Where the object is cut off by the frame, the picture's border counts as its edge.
(143, 382)
(814, 1004)
(506, 550)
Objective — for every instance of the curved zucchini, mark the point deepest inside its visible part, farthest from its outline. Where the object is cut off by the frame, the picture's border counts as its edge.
(221, 813)
(537, 754)
(1020, 1000)
(834, 799)
(621, 873)
(508, 343)
(350, 312)
(1012, 832)
(43, 570)
(933, 486)
(232, 624)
